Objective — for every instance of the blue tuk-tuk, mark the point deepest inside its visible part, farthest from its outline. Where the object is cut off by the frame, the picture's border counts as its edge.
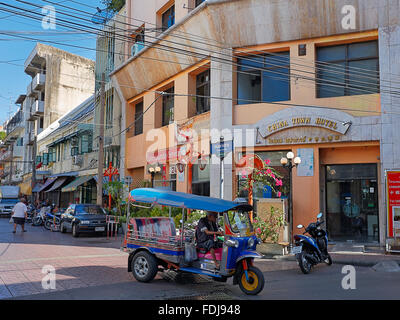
(154, 244)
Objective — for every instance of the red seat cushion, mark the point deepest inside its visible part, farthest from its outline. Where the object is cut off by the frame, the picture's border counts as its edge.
(218, 254)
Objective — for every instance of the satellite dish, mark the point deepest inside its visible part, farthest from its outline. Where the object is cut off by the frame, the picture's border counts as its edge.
(102, 16)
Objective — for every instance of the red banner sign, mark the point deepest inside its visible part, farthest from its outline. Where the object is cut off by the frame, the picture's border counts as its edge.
(393, 201)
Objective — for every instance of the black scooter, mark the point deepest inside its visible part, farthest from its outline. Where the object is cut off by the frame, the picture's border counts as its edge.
(313, 249)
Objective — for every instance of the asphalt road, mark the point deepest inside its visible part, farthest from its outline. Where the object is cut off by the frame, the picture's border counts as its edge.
(93, 268)
(323, 283)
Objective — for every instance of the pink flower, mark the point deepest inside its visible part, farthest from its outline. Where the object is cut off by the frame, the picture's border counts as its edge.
(267, 162)
(255, 221)
(258, 230)
(279, 182)
(269, 171)
(279, 194)
(272, 176)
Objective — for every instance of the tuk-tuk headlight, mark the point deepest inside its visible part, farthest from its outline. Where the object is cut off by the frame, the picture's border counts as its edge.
(232, 243)
(250, 243)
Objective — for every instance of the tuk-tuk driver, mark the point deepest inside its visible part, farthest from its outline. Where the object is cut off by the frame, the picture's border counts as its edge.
(206, 232)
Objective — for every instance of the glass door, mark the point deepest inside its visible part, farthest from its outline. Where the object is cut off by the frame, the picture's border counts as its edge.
(352, 202)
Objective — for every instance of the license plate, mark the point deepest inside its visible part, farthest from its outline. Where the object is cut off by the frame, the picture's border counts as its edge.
(99, 229)
(296, 250)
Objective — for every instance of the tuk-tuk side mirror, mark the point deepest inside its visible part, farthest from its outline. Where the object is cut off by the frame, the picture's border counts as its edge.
(319, 216)
(300, 226)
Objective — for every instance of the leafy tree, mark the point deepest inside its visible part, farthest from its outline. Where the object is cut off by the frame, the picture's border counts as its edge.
(2, 135)
(115, 189)
(114, 5)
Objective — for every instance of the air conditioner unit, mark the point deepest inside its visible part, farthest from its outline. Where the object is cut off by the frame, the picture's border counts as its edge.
(78, 160)
(74, 141)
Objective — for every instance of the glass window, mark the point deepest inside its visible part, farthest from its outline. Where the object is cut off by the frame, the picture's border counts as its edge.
(201, 180)
(264, 78)
(203, 92)
(139, 118)
(168, 18)
(347, 70)
(198, 2)
(86, 143)
(168, 107)
(81, 209)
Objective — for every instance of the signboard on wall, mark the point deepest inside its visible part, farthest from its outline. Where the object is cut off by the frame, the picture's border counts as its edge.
(306, 167)
(393, 201)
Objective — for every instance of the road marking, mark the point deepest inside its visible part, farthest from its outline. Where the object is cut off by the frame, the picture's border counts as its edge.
(62, 258)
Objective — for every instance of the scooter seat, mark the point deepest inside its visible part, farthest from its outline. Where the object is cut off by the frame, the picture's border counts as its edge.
(203, 253)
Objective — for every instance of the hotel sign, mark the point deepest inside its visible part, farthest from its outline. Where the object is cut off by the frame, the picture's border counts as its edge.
(307, 121)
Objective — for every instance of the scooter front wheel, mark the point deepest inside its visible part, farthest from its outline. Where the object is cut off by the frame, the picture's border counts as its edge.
(255, 282)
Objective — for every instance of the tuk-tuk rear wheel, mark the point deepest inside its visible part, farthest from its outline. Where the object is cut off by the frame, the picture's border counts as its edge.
(255, 284)
(144, 266)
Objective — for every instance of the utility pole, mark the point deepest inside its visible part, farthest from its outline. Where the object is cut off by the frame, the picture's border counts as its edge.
(100, 161)
(11, 164)
(33, 182)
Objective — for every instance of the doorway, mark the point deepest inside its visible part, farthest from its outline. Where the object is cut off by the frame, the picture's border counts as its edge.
(352, 202)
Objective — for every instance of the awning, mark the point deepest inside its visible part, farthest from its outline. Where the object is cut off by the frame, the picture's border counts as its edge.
(37, 187)
(76, 183)
(48, 182)
(58, 184)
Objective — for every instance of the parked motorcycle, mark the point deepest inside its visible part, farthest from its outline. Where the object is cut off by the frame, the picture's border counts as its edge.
(313, 249)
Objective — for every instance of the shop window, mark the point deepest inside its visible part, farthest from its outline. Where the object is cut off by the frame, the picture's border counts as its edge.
(348, 69)
(138, 118)
(264, 78)
(168, 107)
(203, 92)
(168, 18)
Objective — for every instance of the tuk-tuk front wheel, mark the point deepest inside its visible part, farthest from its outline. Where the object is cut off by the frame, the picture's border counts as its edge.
(255, 282)
(144, 266)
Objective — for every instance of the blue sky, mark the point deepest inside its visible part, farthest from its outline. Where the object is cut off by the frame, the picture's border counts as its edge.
(13, 80)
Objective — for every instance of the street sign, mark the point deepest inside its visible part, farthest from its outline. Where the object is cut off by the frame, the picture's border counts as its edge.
(222, 149)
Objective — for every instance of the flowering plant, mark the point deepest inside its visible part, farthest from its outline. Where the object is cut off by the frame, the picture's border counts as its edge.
(268, 228)
(265, 175)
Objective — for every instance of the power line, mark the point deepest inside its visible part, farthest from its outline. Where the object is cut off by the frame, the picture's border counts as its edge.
(359, 88)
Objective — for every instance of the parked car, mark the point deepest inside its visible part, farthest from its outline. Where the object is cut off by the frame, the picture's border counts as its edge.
(83, 218)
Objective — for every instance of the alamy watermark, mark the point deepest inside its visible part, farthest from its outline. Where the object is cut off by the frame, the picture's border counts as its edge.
(349, 19)
(349, 280)
(49, 280)
(49, 19)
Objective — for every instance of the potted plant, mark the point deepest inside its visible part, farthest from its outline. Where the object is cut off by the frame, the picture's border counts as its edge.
(268, 227)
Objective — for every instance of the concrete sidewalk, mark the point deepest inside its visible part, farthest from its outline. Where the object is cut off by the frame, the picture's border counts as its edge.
(361, 259)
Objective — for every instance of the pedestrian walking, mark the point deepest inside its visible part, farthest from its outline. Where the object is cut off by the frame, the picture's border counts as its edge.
(20, 212)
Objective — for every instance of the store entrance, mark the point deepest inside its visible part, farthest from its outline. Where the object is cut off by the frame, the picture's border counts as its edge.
(352, 202)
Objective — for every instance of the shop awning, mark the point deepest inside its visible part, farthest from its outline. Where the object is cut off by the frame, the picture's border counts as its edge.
(76, 183)
(57, 185)
(47, 184)
(37, 187)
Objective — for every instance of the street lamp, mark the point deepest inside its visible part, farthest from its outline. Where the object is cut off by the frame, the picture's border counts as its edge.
(290, 162)
(153, 170)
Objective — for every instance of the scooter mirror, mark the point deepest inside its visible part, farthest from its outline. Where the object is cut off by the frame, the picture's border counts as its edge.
(319, 216)
(300, 226)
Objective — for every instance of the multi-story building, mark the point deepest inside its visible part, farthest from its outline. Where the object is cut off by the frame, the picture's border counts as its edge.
(65, 151)
(60, 82)
(12, 158)
(314, 78)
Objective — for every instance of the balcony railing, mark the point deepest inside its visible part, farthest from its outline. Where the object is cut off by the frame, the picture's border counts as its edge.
(39, 81)
(5, 156)
(37, 109)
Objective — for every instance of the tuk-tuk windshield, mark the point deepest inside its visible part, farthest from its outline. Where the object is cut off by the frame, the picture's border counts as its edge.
(240, 222)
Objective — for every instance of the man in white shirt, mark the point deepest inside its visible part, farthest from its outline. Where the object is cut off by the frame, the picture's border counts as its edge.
(20, 212)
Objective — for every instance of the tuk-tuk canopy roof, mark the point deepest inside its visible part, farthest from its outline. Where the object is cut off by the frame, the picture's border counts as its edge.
(185, 200)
